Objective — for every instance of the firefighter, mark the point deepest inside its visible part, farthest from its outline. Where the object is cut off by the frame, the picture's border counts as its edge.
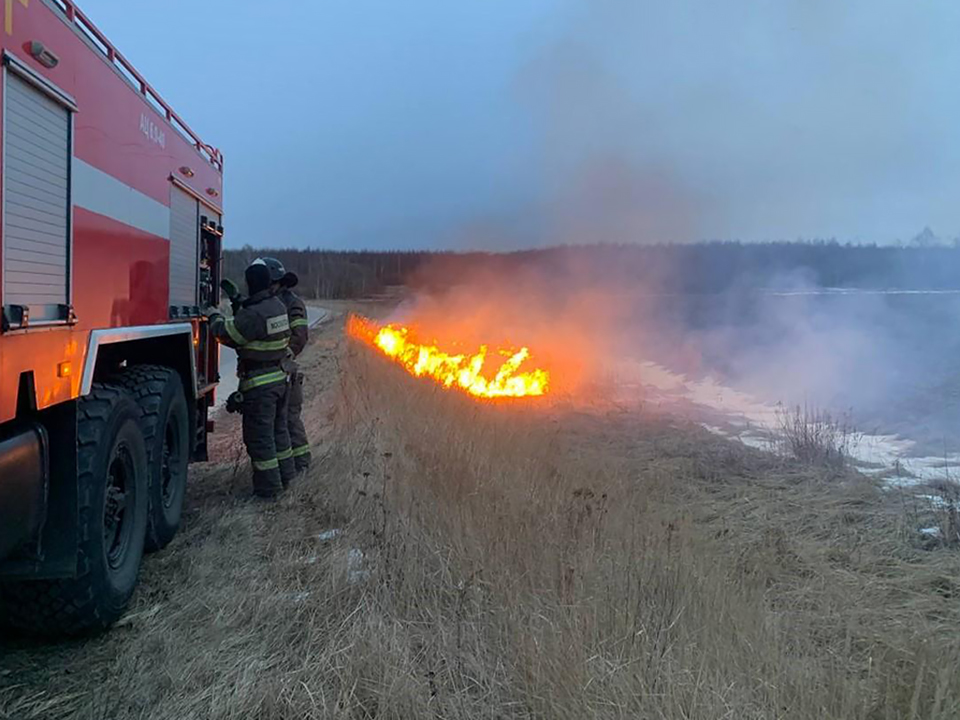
(260, 333)
(284, 282)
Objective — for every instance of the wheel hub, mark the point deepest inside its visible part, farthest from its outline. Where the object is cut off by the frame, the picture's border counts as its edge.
(117, 525)
(170, 459)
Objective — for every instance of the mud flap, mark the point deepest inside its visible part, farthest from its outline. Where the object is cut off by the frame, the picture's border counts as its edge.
(54, 553)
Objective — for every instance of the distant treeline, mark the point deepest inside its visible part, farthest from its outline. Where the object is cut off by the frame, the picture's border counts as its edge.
(332, 274)
(710, 267)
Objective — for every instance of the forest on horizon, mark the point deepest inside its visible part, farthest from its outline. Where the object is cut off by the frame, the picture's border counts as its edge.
(708, 267)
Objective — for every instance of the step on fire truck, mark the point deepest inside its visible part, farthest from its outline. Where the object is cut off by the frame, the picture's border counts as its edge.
(111, 245)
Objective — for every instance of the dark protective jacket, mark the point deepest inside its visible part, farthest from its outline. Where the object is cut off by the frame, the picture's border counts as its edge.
(260, 333)
(299, 325)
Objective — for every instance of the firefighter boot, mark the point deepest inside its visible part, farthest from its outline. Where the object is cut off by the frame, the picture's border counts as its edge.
(298, 433)
(260, 407)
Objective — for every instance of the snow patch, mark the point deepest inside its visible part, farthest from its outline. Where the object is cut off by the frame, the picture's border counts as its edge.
(741, 416)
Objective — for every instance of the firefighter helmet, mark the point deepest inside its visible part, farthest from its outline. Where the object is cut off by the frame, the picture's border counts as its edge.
(276, 268)
(258, 276)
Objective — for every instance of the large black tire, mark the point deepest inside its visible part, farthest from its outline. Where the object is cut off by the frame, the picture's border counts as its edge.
(165, 420)
(112, 482)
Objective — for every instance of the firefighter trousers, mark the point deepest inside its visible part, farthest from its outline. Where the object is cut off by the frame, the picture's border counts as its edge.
(265, 434)
(298, 433)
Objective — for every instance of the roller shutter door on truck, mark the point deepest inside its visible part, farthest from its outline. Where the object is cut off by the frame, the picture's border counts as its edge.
(36, 201)
(184, 247)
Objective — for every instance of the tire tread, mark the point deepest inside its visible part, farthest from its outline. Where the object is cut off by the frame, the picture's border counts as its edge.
(146, 384)
(68, 607)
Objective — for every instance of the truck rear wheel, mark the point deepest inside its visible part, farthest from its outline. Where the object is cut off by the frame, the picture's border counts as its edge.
(112, 481)
(165, 421)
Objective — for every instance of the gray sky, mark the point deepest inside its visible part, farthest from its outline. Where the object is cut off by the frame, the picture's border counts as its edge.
(509, 123)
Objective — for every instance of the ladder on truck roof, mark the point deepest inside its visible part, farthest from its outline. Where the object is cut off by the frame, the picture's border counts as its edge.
(113, 56)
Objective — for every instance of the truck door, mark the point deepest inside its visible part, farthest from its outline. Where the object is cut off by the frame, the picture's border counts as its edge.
(36, 202)
(184, 252)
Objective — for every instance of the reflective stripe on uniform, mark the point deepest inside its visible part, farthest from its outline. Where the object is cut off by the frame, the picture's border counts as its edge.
(266, 464)
(301, 451)
(261, 380)
(234, 334)
(267, 345)
(299, 322)
(284, 455)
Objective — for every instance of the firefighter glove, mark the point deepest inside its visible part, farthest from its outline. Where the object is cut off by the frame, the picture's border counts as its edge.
(235, 402)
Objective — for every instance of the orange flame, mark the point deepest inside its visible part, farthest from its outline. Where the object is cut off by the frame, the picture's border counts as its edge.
(465, 372)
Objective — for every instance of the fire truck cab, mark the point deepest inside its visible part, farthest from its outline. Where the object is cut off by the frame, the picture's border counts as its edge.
(110, 246)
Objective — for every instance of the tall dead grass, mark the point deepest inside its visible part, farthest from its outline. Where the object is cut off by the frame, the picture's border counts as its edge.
(816, 437)
(516, 561)
(566, 566)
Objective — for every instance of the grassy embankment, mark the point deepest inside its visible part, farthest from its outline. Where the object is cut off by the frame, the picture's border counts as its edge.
(554, 561)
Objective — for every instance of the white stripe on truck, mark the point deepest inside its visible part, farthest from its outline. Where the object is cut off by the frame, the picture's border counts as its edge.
(98, 192)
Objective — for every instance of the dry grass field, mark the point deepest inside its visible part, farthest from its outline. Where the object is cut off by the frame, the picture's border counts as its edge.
(517, 560)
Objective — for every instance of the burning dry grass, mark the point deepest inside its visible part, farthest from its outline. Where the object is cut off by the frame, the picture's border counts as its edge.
(482, 372)
(520, 561)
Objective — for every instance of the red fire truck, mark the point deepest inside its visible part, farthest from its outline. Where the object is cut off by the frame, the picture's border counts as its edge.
(111, 246)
